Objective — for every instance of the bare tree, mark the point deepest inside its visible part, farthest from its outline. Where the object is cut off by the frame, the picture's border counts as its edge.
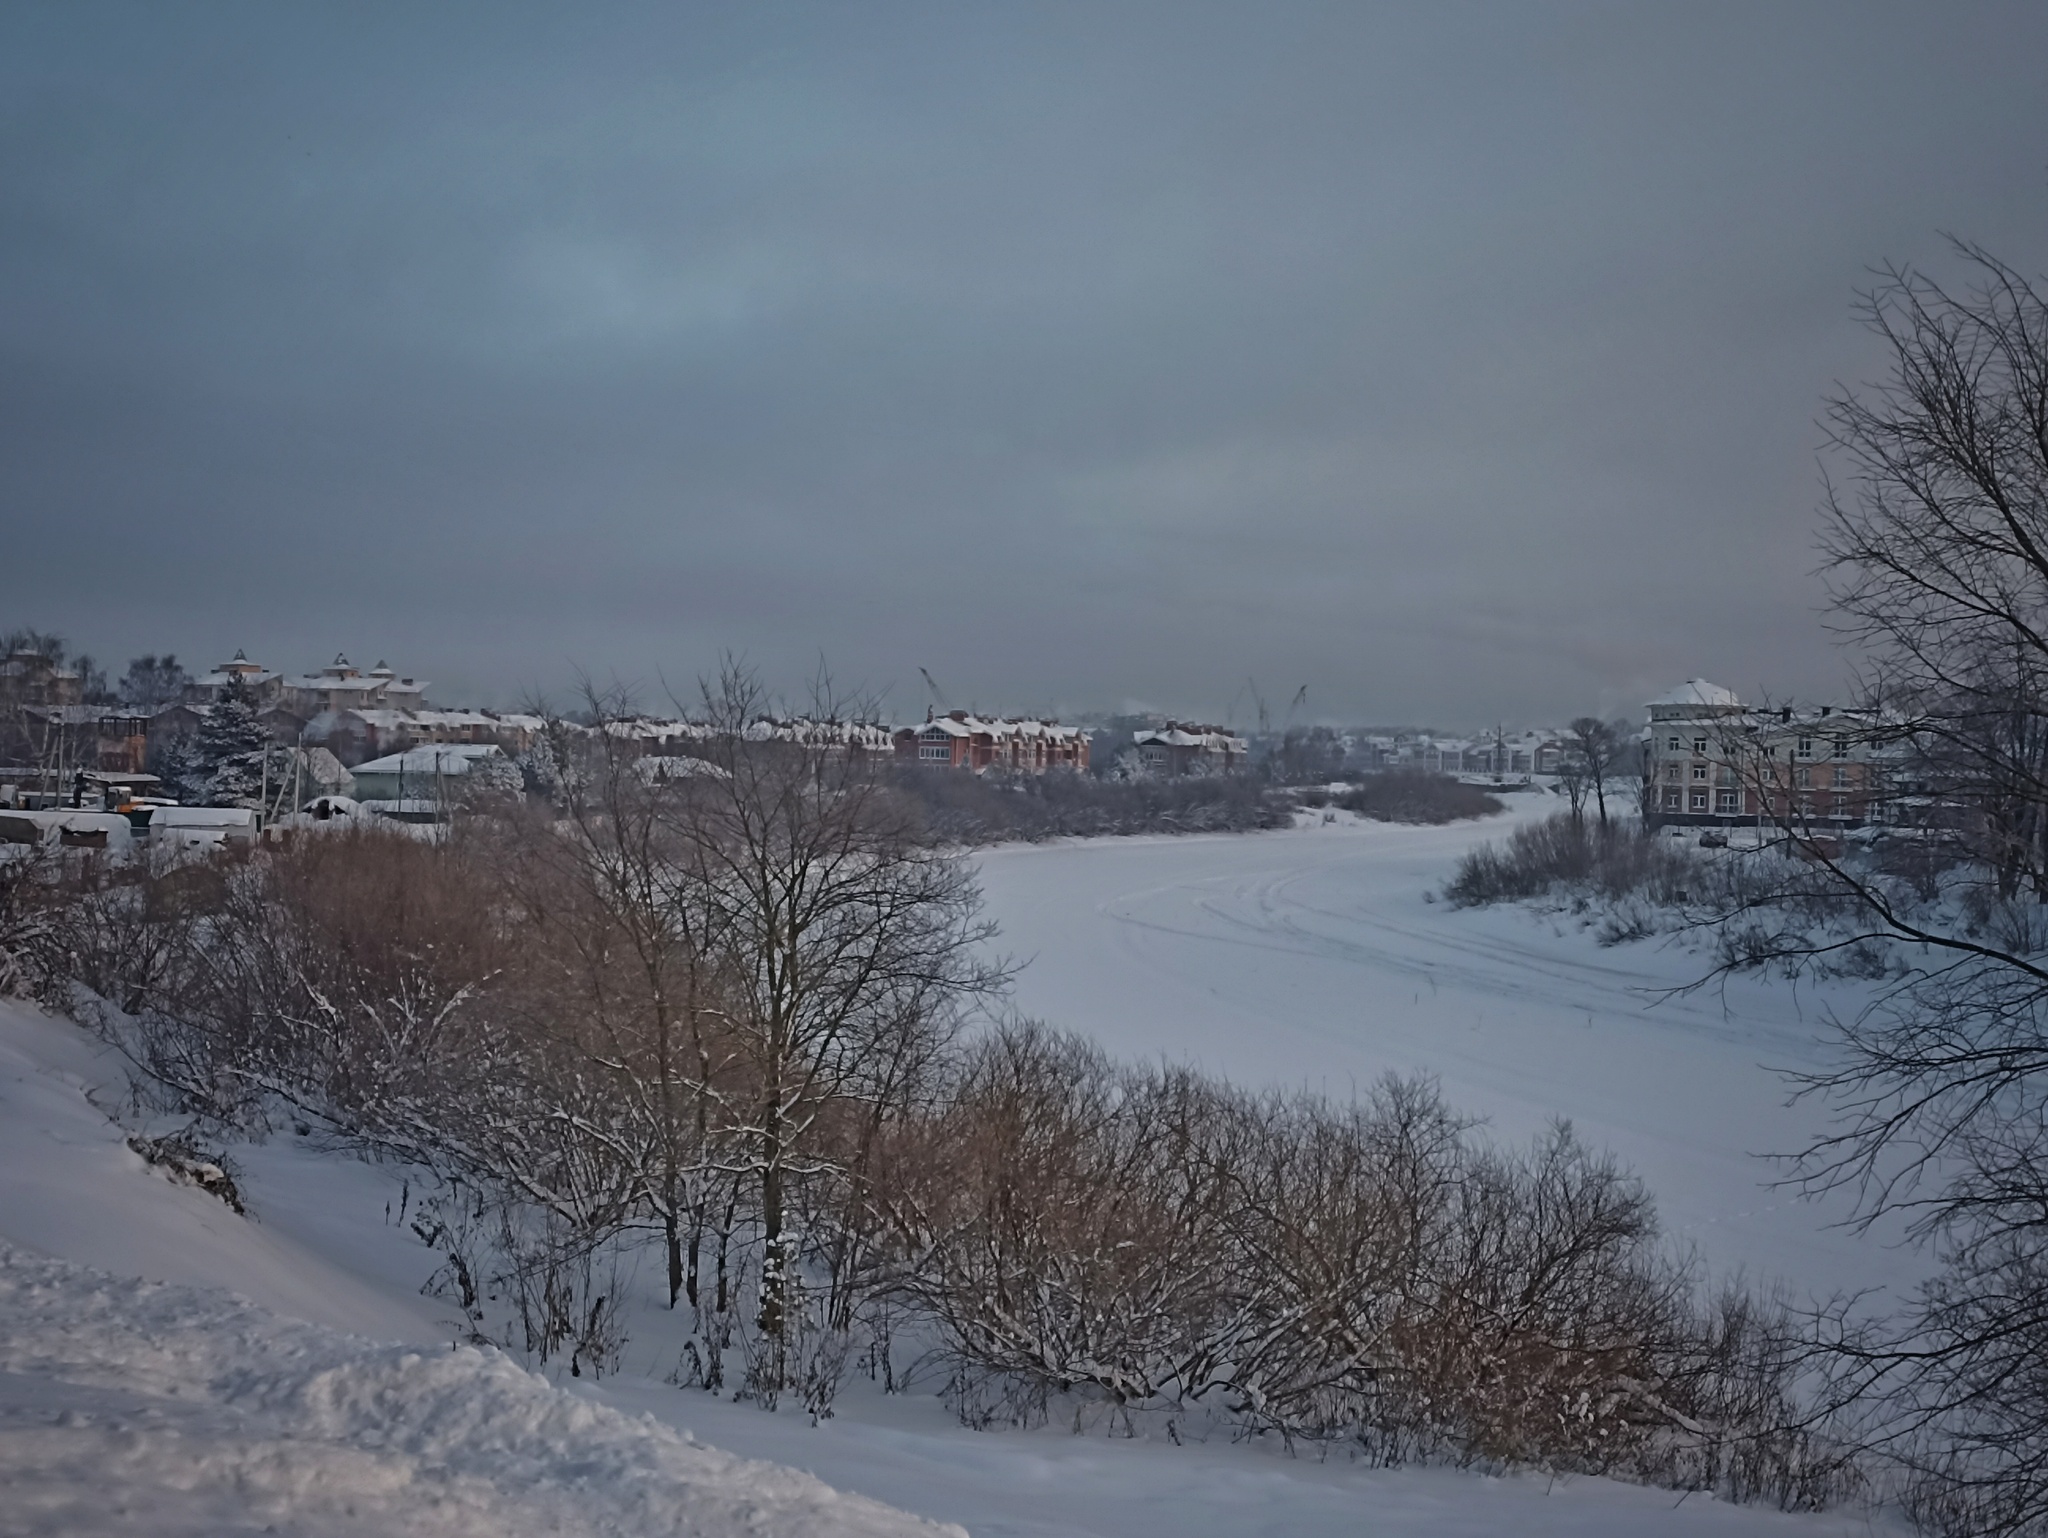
(152, 682)
(844, 941)
(1937, 539)
(1596, 749)
(625, 972)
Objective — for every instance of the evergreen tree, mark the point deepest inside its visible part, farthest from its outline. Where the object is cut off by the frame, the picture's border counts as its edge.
(228, 753)
(176, 763)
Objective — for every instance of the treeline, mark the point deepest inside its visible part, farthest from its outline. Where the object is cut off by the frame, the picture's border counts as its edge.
(976, 809)
(724, 1019)
(1413, 796)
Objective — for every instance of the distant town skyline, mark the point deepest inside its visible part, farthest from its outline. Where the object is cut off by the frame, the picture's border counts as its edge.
(1460, 364)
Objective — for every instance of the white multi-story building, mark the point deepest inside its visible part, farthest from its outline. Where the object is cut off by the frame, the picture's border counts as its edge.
(1712, 760)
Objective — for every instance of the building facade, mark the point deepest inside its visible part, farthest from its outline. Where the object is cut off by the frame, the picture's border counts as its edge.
(340, 686)
(1711, 760)
(1182, 747)
(960, 740)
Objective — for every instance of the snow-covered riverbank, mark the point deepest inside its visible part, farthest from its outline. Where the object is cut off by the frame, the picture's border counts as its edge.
(1304, 957)
(1315, 958)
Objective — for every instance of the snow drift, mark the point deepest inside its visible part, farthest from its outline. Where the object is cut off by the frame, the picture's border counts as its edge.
(137, 1407)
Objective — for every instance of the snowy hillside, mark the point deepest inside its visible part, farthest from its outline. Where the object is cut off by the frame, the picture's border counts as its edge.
(133, 1405)
(132, 1399)
(136, 1407)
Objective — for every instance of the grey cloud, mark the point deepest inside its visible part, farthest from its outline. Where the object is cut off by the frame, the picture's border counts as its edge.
(1458, 362)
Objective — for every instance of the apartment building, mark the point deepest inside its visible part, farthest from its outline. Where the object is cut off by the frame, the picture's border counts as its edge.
(960, 740)
(1712, 760)
(1181, 747)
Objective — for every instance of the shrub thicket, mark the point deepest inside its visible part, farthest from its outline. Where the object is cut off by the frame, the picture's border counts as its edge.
(976, 809)
(1399, 795)
(1140, 1244)
(1564, 852)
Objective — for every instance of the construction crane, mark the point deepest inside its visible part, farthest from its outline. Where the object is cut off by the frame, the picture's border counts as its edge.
(1258, 704)
(1251, 686)
(938, 695)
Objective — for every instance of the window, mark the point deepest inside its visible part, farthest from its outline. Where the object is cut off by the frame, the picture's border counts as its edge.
(1802, 777)
(1805, 747)
(1699, 747)
(1671, 771)
(1674, 800)
(1841, 777)
(1699, 771)
(939, 752)
(1841, 747)
(1724, 802)
(1671, 744)
(1699, 801)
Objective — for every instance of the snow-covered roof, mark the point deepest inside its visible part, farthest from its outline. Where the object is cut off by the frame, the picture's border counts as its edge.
(654, 728)
(1179, 734)
(201, 817)
(450, 717)
(978, 726)
(237, 666)
(814, 733)
(1697, 691)
(762, 729)
(339, 679)
(335, 683)
(84, 715)
(442, 758)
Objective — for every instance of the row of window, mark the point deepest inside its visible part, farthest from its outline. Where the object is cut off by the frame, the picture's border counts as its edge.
(1728, 803)
(1802, 748)
(1802, 777)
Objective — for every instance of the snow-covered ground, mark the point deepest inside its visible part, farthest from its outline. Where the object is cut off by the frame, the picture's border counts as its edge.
(332, 1400)
(1313, 958)
(138, 1407)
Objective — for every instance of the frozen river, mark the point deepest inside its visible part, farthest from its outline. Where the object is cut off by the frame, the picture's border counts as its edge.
(1313, 958)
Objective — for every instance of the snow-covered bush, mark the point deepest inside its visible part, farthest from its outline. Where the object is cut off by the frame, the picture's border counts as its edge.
(711, 1023)
(1564, 853)
(1370, 1276)
(1398, 795)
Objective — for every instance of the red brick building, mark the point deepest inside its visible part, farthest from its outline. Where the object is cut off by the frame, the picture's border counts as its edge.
(958, 740)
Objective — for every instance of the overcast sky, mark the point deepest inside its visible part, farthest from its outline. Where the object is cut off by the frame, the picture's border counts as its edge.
(1459, 362)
